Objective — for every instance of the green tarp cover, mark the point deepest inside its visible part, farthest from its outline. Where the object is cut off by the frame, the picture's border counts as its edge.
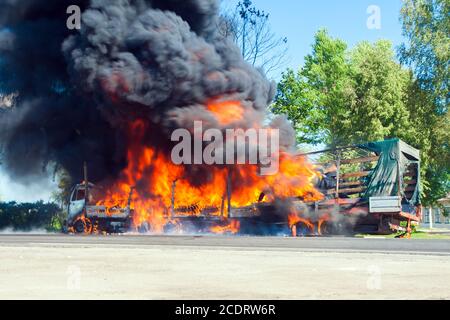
(395, 157)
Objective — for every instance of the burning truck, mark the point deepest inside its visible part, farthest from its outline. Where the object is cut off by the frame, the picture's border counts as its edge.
(371, 188)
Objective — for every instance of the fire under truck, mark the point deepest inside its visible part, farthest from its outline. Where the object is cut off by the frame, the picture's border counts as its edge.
(369, 188)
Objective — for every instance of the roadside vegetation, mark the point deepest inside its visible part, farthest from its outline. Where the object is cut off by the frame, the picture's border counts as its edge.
(419, 235)
(30, 217)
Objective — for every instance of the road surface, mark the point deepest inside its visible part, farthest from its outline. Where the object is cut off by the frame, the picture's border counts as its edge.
(216, 267)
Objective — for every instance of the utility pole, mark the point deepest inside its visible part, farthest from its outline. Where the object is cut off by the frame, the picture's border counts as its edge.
(229, 192)
(172, 199)
(430, 216)
(86, 184)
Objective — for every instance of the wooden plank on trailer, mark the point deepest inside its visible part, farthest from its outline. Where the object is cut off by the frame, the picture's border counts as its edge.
(355, 174)
(341, 202)
(348, 190)
(360, 160)
(351, 183)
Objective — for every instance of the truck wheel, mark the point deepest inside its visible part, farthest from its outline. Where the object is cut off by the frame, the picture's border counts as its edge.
(83, 225)
(144, 227)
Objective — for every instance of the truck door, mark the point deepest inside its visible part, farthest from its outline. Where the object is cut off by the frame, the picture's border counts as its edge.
(77, 202)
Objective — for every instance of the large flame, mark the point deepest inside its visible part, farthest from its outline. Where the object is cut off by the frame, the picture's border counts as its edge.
(226, 112)
(156, 180)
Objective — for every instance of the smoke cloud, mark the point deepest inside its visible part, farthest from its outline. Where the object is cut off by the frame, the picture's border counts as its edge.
(78, 90)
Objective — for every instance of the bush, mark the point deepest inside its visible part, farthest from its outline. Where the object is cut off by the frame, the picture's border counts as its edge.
(28, 216)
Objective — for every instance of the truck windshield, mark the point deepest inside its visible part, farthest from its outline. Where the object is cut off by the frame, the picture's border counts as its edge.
(94, 195)
(80, 194)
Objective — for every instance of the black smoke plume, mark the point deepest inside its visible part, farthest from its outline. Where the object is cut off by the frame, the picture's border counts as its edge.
(159, 60)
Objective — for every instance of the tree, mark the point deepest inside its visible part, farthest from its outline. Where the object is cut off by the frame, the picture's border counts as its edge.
(250, 29)
(378, 110)
(342, 97)
(426, 27)
(430, 134)
(65, 185)
(314, 98)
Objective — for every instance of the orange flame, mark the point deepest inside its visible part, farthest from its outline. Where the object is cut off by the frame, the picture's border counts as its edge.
(226, 112)
(232, 227)
(294, 219)
(156, 177)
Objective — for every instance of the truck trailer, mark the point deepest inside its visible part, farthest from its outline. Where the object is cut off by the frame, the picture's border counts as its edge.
(371, 188)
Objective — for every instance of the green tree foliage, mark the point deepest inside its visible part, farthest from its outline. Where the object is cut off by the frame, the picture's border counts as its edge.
(314, 97)
(65, 184)
(343, 97)
(426, 26)
(28, 216)
(378, 109)
(431, 134)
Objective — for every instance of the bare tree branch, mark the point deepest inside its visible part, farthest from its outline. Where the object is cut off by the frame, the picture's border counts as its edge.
(249, 28)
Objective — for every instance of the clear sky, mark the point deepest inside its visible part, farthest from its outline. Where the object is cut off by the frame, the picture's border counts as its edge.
(299, 20)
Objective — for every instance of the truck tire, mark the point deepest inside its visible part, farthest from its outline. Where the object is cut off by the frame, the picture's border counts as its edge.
(83, 225)
(144, 227)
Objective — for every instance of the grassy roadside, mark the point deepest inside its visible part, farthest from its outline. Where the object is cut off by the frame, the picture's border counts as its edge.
(423, 235)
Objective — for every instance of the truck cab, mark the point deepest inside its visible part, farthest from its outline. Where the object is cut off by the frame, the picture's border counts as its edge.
(85, 216)
(77, 200)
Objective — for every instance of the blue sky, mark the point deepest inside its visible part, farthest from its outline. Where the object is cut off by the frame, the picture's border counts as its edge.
(298, 20)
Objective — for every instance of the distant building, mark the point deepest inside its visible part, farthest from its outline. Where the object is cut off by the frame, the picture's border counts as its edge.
(438, 216)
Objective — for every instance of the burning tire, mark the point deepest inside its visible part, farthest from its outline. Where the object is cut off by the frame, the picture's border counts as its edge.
(82, 225)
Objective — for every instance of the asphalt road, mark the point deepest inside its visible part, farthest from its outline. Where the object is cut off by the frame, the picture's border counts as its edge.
(53, 266)
(334, 244)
